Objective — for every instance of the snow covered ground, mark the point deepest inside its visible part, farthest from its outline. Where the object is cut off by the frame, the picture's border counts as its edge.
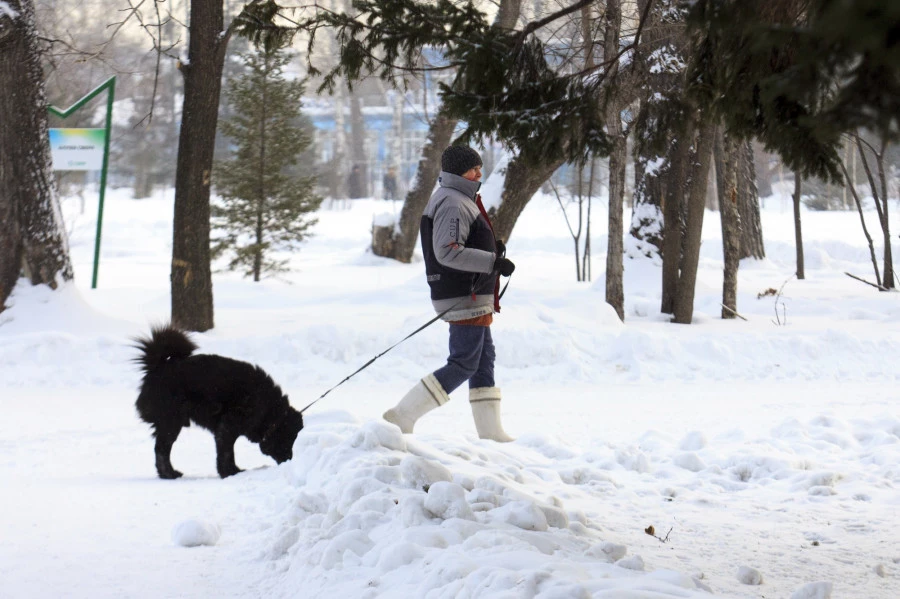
(766, 457)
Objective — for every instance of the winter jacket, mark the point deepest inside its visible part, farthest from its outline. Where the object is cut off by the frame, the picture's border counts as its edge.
(459, 250)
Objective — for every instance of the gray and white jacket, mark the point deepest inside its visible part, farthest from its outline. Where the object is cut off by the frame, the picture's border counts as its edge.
(459, 250)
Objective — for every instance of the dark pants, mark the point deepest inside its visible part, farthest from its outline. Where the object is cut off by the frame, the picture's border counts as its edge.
(471, 358)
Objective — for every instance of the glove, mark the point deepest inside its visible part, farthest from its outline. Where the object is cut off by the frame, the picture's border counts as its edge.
(501, 249)
(504, 266)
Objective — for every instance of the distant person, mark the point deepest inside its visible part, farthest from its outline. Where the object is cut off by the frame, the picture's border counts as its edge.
(355, 183)
(463, 264)
(389, 183)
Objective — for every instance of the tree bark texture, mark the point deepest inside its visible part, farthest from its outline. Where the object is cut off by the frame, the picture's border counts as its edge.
(889, 280)
(32, 226)
(523, 179)
(615, 291)
(752, 245)
(798, 229)
(615, 267)
(403, 243)
(726, 162)
(687, 280)
(10, 236)
(508, 14)
(673, 219)
(191, 278)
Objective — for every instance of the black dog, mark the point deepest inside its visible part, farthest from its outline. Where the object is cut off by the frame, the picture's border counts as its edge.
(228, 397)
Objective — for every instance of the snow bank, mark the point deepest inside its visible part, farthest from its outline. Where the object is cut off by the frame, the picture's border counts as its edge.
(379, 513)
(372, 512)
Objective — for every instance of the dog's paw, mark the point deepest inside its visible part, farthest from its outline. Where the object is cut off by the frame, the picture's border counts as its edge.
(170, 474)
(226, 472)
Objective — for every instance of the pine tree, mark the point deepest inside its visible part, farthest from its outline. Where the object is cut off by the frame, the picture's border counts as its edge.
(264, 202)
(799, 74)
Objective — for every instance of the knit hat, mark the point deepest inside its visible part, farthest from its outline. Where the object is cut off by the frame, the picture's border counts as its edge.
(459, 159)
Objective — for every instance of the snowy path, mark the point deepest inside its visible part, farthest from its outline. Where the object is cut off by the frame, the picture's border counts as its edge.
(756, 449)
(734, 476)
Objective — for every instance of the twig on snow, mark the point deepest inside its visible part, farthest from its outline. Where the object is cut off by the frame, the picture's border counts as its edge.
(783, 307)
(652, 532)
(875, 285)
(734, 312)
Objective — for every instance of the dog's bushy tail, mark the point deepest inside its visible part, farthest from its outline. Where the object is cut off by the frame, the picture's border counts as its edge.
(164, 344)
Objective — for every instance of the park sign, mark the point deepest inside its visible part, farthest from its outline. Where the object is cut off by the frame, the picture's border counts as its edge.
(77, 149)
(85, 150)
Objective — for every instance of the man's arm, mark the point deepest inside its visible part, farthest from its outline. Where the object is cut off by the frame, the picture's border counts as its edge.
(451, 229)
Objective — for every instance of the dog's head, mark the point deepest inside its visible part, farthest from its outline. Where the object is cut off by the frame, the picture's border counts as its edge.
(279, 442)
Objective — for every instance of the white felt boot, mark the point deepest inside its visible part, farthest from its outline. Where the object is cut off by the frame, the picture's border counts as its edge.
(485, 403)
(425, 396)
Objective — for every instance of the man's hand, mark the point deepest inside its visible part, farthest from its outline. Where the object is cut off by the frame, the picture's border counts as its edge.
(504, 266)
(501, 249)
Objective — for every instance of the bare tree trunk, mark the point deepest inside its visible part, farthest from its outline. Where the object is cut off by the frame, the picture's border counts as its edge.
(508, 13)
(586, 255)
(13, 48)
(684, 293)
(523, 180)
(752, 245)
(261, 191)
(32, 225)
(615, 292)
(143, 177)
(862, 220)
(673, 220)
(358, 145)
(576, 232)
(396, 156)
(726, 161)
(401, 244)
(191, 278)
(761, 167)
(798, 230)
(615, 268)
(889, 281)
(10, 236)
(879, 195)
(338, 184)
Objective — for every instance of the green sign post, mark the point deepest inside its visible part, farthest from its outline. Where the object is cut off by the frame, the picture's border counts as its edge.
(76, 149)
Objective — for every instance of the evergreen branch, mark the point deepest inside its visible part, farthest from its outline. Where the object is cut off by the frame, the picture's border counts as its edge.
(535, 25)
(256, 22)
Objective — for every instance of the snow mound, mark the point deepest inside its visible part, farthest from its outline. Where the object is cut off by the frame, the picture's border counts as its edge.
(748, 575)
(193, 533)
(813, 590)
(415, 516)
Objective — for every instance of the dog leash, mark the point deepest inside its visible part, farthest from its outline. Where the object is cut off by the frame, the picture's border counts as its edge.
(417, 331)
